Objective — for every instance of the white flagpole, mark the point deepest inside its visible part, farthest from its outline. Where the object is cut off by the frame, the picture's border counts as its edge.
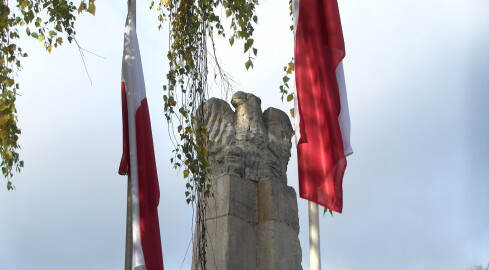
(128, 261)
(314, 247)
(131, 5)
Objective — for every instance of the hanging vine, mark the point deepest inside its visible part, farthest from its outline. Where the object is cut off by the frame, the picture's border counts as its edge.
(193, 25)
(288, 70)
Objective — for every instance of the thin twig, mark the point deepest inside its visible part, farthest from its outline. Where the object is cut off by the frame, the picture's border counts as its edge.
(81, 50)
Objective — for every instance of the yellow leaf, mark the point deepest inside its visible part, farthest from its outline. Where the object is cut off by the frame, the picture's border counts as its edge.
(290, 68)
(3, 133)
(8, 154)
(164, 1)
(9, 82)
(4, 119)
(292, 112)
(91, 8)
(82, 7)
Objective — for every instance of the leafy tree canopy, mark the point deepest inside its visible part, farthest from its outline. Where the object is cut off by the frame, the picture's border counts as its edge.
(48, 21)
(193, 24)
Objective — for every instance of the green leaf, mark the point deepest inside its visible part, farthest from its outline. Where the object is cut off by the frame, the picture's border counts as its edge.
(40, 38)
(248, 44)
(185, 173)
(248, 64)
(255, 51)
(52, 34)
(183, 111)
(290, 97)
(231, 40)
(326, 210)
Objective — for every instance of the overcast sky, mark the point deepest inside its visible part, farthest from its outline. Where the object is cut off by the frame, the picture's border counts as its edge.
(416, 190)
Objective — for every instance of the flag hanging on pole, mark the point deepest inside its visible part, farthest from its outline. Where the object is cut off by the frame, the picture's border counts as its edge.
(138, 157)
(322, 121)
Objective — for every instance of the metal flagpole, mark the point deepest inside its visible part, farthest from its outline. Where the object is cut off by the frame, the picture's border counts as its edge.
(314, 247)
(131, 5)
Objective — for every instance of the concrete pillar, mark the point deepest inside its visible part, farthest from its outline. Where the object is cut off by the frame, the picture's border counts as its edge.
(252, 219)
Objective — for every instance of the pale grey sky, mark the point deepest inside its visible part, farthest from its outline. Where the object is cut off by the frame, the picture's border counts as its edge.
(416, 190)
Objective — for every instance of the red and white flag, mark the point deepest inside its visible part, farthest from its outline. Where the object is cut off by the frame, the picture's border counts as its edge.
(322, 121)
(138, 158)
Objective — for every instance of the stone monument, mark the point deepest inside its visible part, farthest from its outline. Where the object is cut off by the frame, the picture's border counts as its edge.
(252, 219)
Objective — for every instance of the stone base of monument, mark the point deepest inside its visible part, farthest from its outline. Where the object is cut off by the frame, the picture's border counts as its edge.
(252, 218)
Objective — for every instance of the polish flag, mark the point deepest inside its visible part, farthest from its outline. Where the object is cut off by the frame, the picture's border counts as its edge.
(322, 121)
(138, 158)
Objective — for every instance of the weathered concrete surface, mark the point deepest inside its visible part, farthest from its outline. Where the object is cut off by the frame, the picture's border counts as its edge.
(278, 246)
(252, 220)
(278, 227)
(229, 244)
(277, 202)
(233, 196)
